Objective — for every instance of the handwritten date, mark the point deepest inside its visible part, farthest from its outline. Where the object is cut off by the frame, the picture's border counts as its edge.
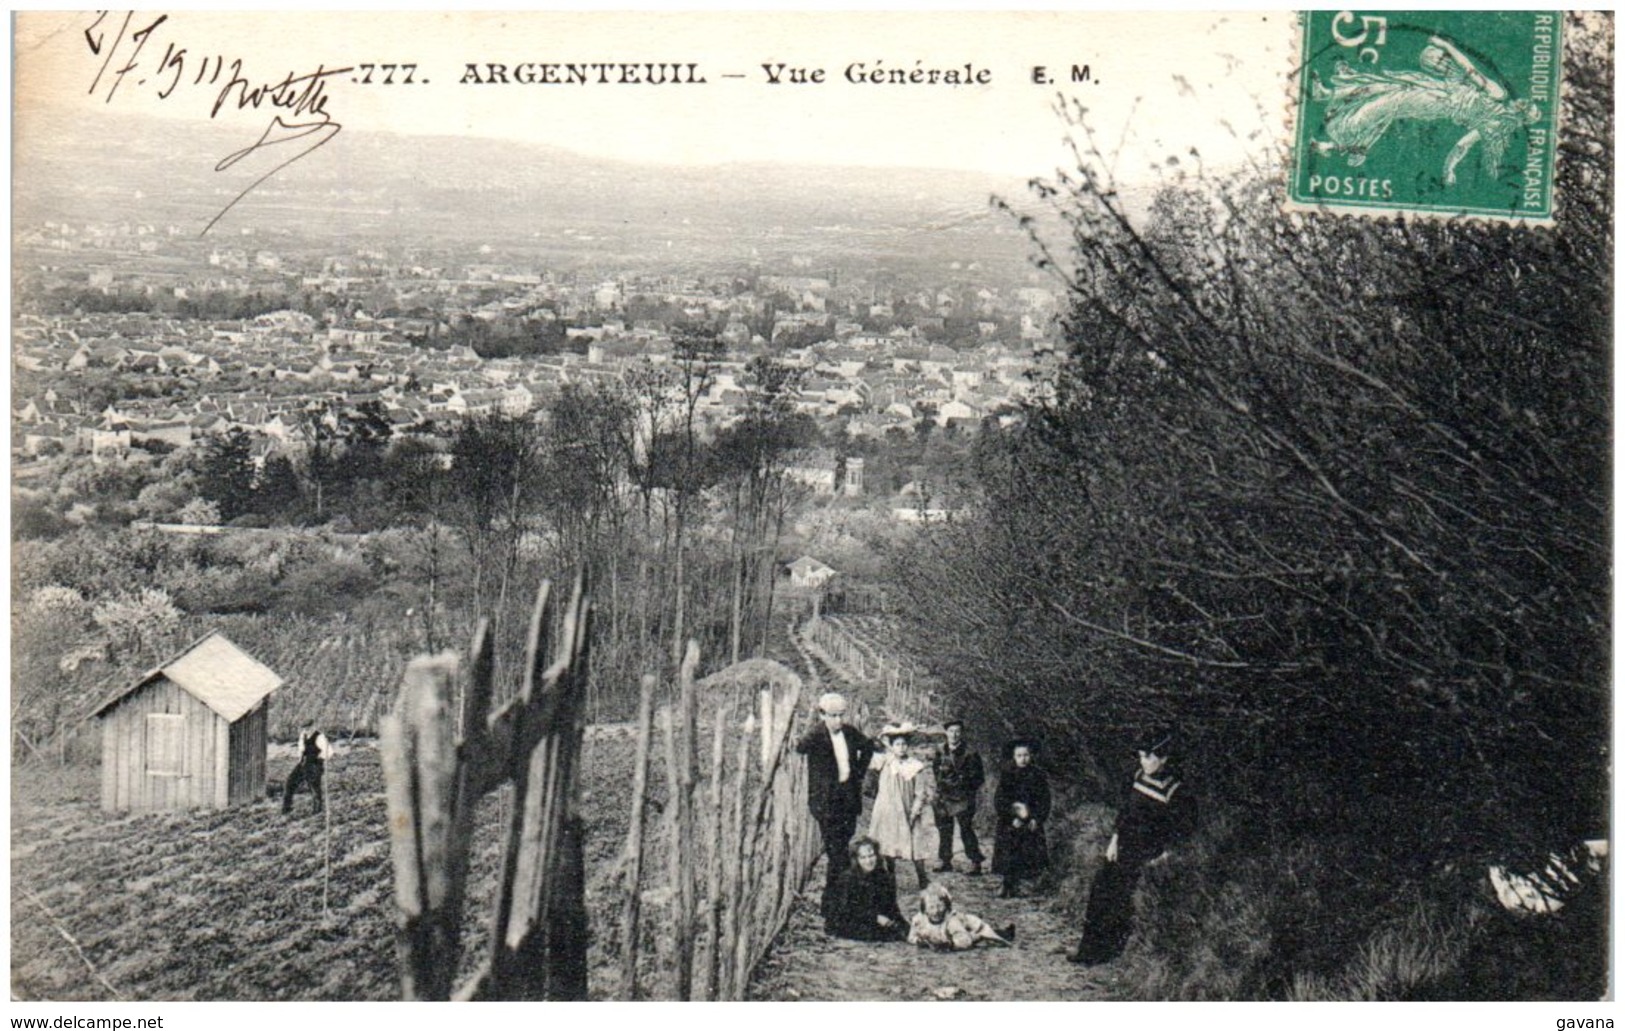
(302, 122)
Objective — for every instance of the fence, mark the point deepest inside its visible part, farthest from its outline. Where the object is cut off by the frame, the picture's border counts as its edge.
(738, 839)
(910, 692)
(438, 763)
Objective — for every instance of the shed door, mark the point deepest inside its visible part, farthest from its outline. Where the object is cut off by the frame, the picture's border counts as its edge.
(166, 744)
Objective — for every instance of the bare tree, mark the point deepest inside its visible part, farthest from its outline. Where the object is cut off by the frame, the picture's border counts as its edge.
(1331, 493)
(496, 469)
(752, 456)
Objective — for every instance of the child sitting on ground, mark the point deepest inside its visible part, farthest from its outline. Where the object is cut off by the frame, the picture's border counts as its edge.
(936, 926)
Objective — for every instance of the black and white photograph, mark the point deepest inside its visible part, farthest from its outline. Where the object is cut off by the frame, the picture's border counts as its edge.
(812, 506)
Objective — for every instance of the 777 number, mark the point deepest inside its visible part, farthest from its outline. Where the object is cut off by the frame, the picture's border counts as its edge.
(387, 77)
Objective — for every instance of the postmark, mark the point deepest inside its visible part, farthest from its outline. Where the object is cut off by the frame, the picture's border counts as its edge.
(1441, 113)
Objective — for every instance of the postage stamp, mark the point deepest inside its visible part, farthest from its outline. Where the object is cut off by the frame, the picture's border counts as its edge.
(1435, 112)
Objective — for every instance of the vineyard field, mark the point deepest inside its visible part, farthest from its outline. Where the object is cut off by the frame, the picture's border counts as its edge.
(228, 905)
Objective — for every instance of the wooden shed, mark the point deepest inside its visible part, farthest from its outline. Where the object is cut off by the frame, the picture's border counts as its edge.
(190, 734)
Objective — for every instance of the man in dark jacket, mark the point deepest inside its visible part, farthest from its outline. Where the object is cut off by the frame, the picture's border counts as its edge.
(837, 758)
(959, 778)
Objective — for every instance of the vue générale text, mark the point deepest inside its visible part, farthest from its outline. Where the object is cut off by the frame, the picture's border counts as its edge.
(661, 73)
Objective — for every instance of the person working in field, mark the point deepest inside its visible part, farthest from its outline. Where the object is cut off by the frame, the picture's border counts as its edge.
(314, 751)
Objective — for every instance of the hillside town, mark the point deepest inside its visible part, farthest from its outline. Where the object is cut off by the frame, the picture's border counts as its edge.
(110, 354)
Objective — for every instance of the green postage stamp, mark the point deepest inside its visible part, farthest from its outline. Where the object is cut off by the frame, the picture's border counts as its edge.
(1443, 113)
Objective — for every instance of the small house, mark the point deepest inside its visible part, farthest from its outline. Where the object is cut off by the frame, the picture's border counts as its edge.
(189, 734)
(809, 572)
(815, 470)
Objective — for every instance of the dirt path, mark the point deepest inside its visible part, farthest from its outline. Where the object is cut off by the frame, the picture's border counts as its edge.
(808, 964)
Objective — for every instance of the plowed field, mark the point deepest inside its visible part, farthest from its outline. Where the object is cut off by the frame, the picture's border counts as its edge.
(230, 905)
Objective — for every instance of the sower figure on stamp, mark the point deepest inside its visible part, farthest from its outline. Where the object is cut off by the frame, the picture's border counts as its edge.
(959, 777)
(837, 758)
(1363, 103)
(314, 751)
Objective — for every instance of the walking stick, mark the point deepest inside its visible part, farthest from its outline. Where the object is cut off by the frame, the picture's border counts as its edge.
(327, 840)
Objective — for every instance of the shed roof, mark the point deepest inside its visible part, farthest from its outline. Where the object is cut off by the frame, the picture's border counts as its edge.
(215, 672)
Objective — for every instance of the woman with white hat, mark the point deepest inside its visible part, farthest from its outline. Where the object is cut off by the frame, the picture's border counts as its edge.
(901, 823)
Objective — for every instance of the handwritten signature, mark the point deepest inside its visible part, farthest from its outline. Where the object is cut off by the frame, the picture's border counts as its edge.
(302, 124)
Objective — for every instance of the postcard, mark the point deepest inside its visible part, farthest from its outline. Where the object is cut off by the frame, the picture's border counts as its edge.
(1045, 506)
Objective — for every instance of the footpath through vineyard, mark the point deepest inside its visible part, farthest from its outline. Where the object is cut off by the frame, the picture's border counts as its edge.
(807, 964)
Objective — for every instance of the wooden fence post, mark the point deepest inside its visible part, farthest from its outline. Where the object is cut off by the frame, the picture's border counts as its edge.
(634, 841)
(674, 863)
(764, 712)
(433, 781)
(685, 813)
(420, 770)
(735, 889)
(713, 855)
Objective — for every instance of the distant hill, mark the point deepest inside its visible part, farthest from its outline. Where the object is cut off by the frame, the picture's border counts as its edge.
(385, 188)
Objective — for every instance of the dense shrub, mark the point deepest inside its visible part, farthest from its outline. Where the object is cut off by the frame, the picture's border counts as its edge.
(222, 588)
(34, 520)
(1331, 496)
(318, 587)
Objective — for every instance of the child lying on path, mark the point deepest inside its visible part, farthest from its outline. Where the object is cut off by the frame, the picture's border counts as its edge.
(936, 926)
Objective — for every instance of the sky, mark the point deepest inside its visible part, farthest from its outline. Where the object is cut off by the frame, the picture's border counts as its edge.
(1160, 83)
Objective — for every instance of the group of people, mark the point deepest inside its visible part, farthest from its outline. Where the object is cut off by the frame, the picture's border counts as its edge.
(921, 796)
(924, 793)
(860, 902)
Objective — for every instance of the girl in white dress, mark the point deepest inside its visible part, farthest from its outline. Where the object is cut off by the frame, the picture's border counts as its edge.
(901, 822)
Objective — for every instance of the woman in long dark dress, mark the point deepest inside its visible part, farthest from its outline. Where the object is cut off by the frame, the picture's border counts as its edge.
(1021, 805)
(861, 902)
(1160, 813)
